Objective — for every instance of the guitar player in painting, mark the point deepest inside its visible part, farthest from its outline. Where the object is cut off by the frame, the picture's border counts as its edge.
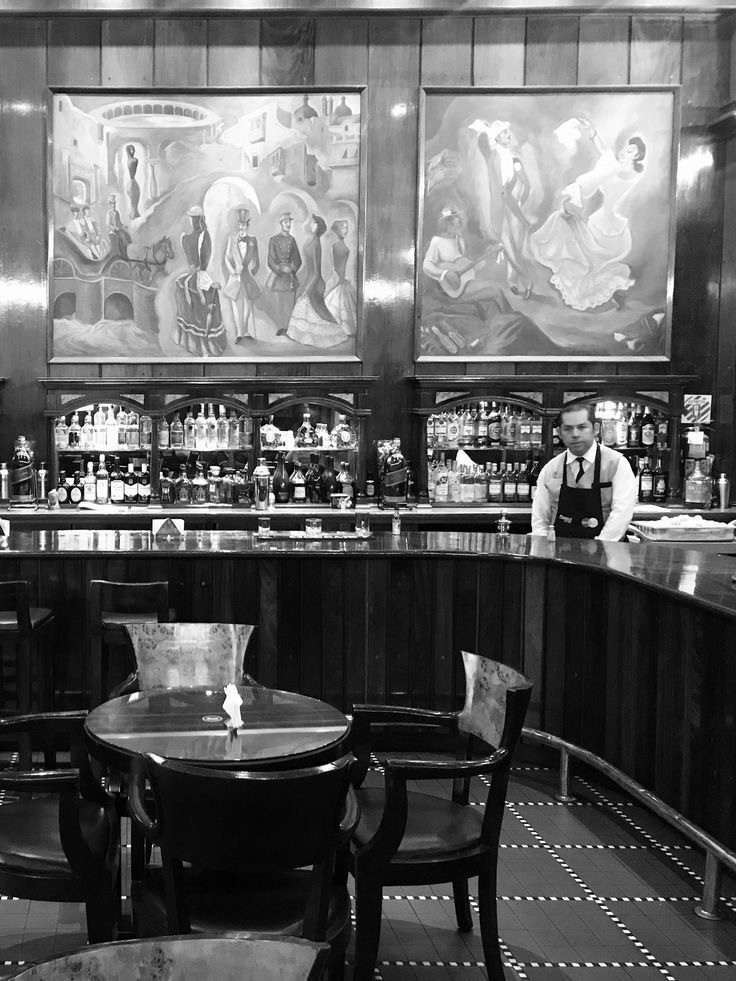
(462, 315)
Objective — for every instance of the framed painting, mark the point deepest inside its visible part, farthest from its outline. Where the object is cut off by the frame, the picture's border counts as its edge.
(204, 225)
(546, 224)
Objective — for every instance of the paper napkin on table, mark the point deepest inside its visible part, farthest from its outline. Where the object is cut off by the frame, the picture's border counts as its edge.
(232, 704)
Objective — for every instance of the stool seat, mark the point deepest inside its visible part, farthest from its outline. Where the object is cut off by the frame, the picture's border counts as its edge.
(112, 620)
(39, 616)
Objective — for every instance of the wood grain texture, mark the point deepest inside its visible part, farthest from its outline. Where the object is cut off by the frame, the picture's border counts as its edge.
(725, 408)
(287, 52)
(603, 53)
(552, 50)
(656, 50)
(341, 51)
(499, 50)
(180, 55)
(233, 52)
(447, 47)
(74, 52)
(704, 59)
(127, 51)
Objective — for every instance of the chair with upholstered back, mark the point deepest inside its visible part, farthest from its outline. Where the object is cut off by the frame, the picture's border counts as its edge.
(175, 655)
(187, 959)
(59, 838)
(405, 837)
(110, 606)
(244, 850)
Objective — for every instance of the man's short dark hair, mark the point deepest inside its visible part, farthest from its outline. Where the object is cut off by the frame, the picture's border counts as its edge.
(587, 407)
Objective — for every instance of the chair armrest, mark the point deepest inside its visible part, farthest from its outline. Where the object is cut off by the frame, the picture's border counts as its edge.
(444, 769)
(125, 687)
(42, 722)
(350, 818)
(40, 781)
(136, 800)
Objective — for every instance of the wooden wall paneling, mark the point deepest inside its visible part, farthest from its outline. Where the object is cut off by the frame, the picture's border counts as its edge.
(246, 609)
(390, 220)
(447, 48)
(74, 51)
(535, 598)
(268, 622)
(180, 53)
(78, 574)
(704, 64)
(306, 633)
(23, 290)
(552, 685)
(340, 51)
(491, 611)
(725, 404)
(656, 50)
(333, 614)
(552, 49)
(498, 50)
(355, 631)
(377, 647)
(223, 597)
(292, 624)
(603, 53)
(593, 717)
(202, 587)
(674, 653)
(577, 655)
(233, 52)
(614, 670)
(399, 633)
(465, 617)
(442, 652)
(287, 51)
(420, 633)
(127, 51)
(513, 613)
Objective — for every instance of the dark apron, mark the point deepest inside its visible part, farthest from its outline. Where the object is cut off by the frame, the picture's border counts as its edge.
(579, 511)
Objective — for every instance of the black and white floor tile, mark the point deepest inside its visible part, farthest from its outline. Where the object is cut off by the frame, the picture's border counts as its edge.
(594, 890)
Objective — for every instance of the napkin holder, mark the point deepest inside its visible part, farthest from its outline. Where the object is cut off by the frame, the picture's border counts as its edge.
(168, 529)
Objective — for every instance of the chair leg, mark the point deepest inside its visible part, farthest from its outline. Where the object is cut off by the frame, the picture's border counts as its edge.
(462, 905)
(368, 900)
(101, 910)
(488, 917)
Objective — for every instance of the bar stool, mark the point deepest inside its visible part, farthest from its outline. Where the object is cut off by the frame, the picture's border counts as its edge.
(25, 626)
(111, 606)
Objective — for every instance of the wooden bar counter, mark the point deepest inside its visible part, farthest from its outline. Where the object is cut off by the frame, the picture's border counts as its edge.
(632, 648)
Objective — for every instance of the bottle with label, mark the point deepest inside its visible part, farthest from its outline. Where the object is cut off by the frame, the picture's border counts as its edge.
(523, 486)
(453, 429)
(213, 485)
(245, 432)
(270, 435)
(89, 484)
(22, 477)
(343, 436)
(633, 431)
(441, 486)
(211, 435)
(329, 480)
(481, 427)
(121, 421)
(393, 479)
(698, 487)
(281, 486)
(62, 494)
(509, 485)
(76, 489)
(189, 428)
(313, 478)
(42, 481)
(4, 483)
(440, 430)
(166, 490)
(480, 481)
(183, 486)
(144, 485)
(163, 433)
(130, 488)
(537, 431)
(233, 434)
(111, 429)
(495, 485)
(199, 487)
(467, 429)
(261, 485)
(200, 430)
(102, 482)
(117, 484)
(430, 432)
(222, 429)
(467, 486)
(662, 439)
(87, 437)
(75, 433)
(646, 483)
(99, 428)
(621, 427)
(454, 484)
(305, 434)
(134, 438)
(61, 434)
(648, 428)
(495, 426)
(146, 432)
(370, 487)
(297, 485)
(525, 431)
(660, 483)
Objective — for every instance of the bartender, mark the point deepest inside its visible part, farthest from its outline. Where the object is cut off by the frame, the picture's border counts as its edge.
(589, 491)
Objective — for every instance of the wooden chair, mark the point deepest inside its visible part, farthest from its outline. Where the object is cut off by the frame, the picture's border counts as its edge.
(110, 607)
(61, 844)
(261, 847)
(174, 655)
(187, 959)
(25, 626)
(410, 838)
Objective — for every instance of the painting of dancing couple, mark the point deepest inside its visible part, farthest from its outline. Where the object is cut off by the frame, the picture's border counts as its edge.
(546, 225)
(204, 226)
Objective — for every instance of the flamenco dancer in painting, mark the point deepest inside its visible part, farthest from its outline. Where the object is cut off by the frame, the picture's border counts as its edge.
(199, 327)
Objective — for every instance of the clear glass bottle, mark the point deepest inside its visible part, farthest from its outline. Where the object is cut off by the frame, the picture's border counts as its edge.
(322, 435)
(146, 432)
(199, 486)
(343, 436)
(453, 428)
(183, 486)
(233, 435)
(166, 489)
(89, 484)
(102, 481)
(270, 435)
(222, 429)
(87, 438)
(698, 487)
(441, 475)
(190, 426)
(4, 482)
(75, 433)
(61, 434)
(245, 432)
(211, 427)
(345, 481)
(467, 486)
(121, 421)
(305, 434)
(111, 429)
(98, 441)
(213, 484)
(200, 430)
(134, 438)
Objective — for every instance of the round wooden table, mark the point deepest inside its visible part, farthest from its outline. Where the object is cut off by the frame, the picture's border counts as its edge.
(280, 729)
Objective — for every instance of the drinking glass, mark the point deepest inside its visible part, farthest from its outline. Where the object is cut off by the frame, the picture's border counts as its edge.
(264, 526)
(362, 524)
(313, 526)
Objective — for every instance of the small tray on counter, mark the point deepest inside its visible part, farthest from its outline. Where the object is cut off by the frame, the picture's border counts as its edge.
(706, 531)
(310, 536)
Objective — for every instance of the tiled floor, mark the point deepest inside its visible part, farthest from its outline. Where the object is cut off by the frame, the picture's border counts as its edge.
(596, 890)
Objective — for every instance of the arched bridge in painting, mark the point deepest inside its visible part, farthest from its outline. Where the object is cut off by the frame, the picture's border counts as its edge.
(115, 295)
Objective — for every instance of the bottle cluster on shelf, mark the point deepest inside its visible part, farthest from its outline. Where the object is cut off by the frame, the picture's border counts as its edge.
(494, 483)
(100, 485)
(479, 426)
(342, 436)
(626, 425)
(653, 479)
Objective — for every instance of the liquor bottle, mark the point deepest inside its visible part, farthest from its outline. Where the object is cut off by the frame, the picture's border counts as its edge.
(468, 427)
(430, 431)
(454, 485)
(343, 436)
(199, 486)
(509, 485)
(370, 487)
(4, 482)
(121, 421)
(648, 430)
(22, 482)
(440, 430)
(189, 430)
(183, 486)
(297, 486)
(134, 438)
(61, 434)
(495, 426)
(495, 485)
(313, 477)
(144, 485)
(211, 432)
(89, 484)
(99, 429)
(62, 494)
(213, 485)
(453, 428)
(646, 483)
(117, 484)
(261, 482)
(281, 489)
(227, 486)
(660, 483)
(393, 478)
(87, 438)
(525, 431)
(75, 434)
(481, 426)
(166, 489)
(537, 432)
(245, 432)
(76, 490)
(608, 425)
(481, 484)
(130, 486)
(633, 433)
(698, 487)
(523, 487)
(467, 486)
(200, 430)
(270, 435)
(42, 482)
(163, 434)
(305, 434)
(329, 480)
(533, 477)
(146, 432)
(441, 474)
(222, 430)
(175, 434)
(102, 482)
(662, 432)
(111, 430)
(621, 427)
(233, 436)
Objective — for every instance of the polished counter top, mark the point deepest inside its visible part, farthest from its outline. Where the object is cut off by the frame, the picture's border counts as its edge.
(704, 577)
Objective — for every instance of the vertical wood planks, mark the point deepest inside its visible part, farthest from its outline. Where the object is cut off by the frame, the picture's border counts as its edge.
(127, 51)
(73, 52)
(180, 55)
(287, 51)
(341, 51)
(552, 50)
(233, 52)
(447, 46)
(498, 50)
(603, 54)
(656, 50)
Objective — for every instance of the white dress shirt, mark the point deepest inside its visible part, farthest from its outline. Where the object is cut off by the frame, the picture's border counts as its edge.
(624, 489)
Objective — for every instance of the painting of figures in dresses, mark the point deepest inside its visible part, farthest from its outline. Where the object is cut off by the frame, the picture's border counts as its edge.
(546, 224)
(193, 226)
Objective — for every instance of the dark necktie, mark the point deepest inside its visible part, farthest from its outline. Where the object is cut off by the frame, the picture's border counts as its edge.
(579, 474)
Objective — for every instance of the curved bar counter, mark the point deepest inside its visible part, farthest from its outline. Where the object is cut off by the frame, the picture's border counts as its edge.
(632, 648)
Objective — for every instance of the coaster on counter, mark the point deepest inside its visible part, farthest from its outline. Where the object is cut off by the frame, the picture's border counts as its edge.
(170, 529)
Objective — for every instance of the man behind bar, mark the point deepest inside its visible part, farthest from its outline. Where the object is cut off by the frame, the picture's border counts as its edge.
(589, 491)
